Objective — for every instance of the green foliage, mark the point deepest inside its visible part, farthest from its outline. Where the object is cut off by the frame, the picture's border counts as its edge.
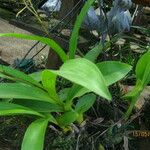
(27, 95)
(67, 118)
(74, 37)
(61, 53)
(23, 91)
(16, 75)
(43, 99)
(7, 109)
(113, 70)
(85, 73)
(40, 106)
(85, 103)
(142, 72)
(49, 83)
(35, 131)
(94, 53)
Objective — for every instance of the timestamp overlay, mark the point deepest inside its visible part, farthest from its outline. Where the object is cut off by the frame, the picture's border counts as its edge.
(140, 134)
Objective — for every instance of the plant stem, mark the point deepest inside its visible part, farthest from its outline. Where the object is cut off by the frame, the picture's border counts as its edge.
(129, 111)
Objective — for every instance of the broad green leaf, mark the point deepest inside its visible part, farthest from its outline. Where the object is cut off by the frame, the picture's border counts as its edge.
(76, 91)
(85, 73)
(39, 106)
(6, 77)
(63, 94)
(85, 103)
(75, 32)
(81, 92)
(94, 53)
(34, 136)
(37, 76)
(16, 75)
(113, 71)
(143, 69)
(7, 109)
(67, 118)
(23, 91)
(73, 91)
(51, 43)
(49, 83)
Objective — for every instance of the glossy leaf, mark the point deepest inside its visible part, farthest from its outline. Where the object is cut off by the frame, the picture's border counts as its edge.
(49, 83)
(7, 109)
(39, 106)
(37, 76)
(76, 91)
(113, 71)
(81, 92)
(34, 136)
(94, 53)
(23, 91)
(63, 94)
(85, 103)
(85, 73)
(67, 118)
(143, 69)
(51, 43)
(16, 75)
(75, 32)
